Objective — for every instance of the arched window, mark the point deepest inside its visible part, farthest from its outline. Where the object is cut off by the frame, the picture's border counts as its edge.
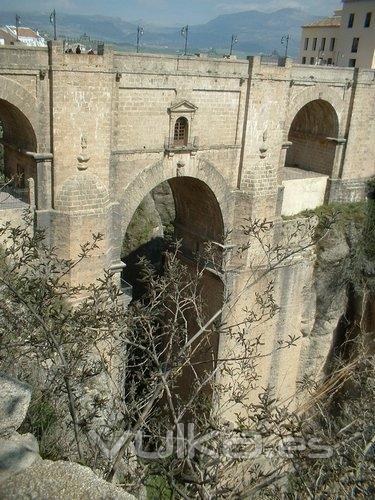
(181, 131)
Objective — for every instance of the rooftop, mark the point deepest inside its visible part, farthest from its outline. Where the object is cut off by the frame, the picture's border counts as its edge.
(24, 32)
(327, 22)
(7, 36)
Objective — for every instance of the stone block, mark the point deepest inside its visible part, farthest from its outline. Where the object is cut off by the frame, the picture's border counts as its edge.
(59, 481)
(14, 403)
(17, 453)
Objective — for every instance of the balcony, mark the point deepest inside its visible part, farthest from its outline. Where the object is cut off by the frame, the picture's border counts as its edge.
(171, 146)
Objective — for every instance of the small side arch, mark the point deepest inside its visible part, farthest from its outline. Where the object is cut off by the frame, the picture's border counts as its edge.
(19, 98)
(317, 92)
(18, 136)
(310, 135)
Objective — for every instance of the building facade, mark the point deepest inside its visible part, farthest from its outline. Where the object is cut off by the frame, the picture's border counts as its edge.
(346, 39)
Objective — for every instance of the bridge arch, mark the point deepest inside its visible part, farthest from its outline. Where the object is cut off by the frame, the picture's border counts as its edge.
(18, 97)
(202, 170)
(18, 136)
(201, 200)
(201, 197)
(315, 93)
(310, 135)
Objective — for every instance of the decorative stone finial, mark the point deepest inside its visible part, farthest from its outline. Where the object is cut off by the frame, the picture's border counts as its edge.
(83, 158)
(180, 167)
(263, 149)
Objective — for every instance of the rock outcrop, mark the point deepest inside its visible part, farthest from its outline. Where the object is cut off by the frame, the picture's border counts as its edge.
(59, 481)
(17, 452)
(23, 473)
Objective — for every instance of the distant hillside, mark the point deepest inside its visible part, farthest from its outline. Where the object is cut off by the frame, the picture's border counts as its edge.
(257, 32)
(98, 27)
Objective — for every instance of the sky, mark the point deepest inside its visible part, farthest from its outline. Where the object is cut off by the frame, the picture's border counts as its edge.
(167, 12)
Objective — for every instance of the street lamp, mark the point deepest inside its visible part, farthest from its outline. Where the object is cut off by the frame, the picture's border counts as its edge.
(52, 20)
(232, 43)
(185, 33)
(140, 32)
(18, 19)
(285, 41)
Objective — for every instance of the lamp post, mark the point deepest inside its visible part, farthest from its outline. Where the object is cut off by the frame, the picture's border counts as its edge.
(185, 33)
(52, 20)
(140, 33)
(285, 41)
(232, 43)
(18, 19)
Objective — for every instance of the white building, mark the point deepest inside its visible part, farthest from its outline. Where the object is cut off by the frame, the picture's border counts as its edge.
(7, 38)
(26, 36)
(345, 39)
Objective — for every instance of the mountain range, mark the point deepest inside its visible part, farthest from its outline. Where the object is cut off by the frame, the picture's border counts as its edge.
(257, 32)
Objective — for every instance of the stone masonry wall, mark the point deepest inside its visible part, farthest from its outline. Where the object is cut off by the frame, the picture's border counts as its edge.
(311, 154)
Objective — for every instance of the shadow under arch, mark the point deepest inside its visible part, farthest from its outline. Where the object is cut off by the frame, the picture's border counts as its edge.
(197, 221)
(149, 178)
(311, 133)
(18, 131)
(18, 97)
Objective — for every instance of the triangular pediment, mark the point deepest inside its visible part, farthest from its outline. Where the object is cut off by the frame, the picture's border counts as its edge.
(183, 107)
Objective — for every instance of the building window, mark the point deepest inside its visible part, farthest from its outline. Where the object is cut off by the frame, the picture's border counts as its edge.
(351, 21)
(181, 130)
(352, 63)
(306, 43)
(323, 44)
(303, 60)
(355, 44)
(315, 41)
(368, 20)
(329, 61)
(332, 44)
(312, 60)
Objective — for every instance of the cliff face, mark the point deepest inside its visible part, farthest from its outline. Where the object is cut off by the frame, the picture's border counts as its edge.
(145, 237)
(23, 473)
(325, 302)
(326, 299)
(320, 294)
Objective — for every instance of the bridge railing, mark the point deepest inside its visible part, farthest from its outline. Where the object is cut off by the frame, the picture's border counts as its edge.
(86, 44)
(272, 60)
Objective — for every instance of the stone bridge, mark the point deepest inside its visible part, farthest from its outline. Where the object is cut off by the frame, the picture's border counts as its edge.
(96, 133)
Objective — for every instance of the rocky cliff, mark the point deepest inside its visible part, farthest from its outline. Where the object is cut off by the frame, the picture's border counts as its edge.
(23, 473)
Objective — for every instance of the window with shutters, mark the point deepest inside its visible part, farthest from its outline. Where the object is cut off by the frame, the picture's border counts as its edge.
(181, 130)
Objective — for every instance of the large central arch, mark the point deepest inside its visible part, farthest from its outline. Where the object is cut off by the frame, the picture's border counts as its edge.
(130, 197)
(198, 220)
